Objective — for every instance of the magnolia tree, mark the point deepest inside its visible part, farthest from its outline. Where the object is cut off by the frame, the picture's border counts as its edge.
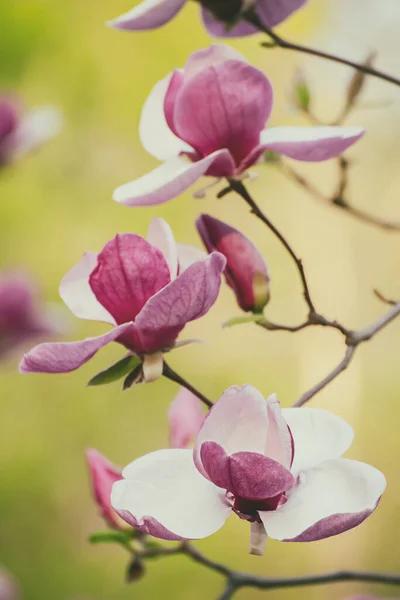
(283, 470)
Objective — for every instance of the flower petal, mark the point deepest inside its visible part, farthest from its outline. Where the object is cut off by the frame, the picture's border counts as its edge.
(166, 181)
(209, 57)
(155, 134)
(256, 476)
(185, 418)
(220, 29)
(150, 14)
(312, 144)
(164, 488)
(129, 271)
(273, 12)
(64, 357)
(279, 444)
(225, 105)
(187, 255)
(237, 422)
(188, 297)
(159, 235)
(103, 474)
(39, 126)
(318, 435)
(77, 294)
(329, 499)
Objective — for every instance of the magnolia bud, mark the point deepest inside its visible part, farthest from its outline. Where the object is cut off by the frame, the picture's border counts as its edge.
(246, 271)
(103, 475)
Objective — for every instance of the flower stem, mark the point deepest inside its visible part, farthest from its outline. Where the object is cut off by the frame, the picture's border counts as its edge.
(172, 376)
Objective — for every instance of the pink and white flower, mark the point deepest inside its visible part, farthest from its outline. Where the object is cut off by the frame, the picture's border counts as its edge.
(152, 14)
(103, 474)
(209, 119)
(20, 133)
(279, 469)
(147, 289)
(185, 418)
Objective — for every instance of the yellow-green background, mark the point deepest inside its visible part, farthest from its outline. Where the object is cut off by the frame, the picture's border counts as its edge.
(57, 203)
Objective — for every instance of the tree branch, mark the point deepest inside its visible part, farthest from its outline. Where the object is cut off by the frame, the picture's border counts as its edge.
(173, 376)
(279, 41)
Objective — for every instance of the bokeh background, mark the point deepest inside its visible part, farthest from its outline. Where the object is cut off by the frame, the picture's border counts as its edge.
(57, 204)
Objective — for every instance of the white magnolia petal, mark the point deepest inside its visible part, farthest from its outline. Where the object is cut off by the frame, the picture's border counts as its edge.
(318, 435)
(39, 126)
(342, 489)
(149, 14)
(187, 255)
(166, 486)
(159, 234)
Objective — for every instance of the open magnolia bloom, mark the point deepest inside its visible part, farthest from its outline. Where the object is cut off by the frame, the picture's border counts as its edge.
(278, 469)
(147, 289)
(209, 119)
(19, 134)
(217, 16)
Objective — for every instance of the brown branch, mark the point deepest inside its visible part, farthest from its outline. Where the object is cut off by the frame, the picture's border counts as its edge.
(279, 41)
(173, 376)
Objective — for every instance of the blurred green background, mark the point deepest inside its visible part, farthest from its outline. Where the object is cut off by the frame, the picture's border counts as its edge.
(57, 204)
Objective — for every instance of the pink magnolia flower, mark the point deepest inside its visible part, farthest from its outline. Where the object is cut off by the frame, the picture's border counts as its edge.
(151, 14)
(278, 469)
(8, 588)
(19, 134)
(139, 287)
(209, 119)
(23, 314)
(246, 271)
(103, 474)
(185, 418)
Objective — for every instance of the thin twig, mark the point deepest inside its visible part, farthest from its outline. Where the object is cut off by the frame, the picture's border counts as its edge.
(279, 41)
(173, 376)
(229, 591)
(240, 189)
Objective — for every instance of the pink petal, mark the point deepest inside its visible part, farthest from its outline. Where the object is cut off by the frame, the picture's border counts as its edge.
(223, 106)
(159, 235)
(150, 14)
(168, 180)
(187, 255)
(279, 444)
(329, 499)
(312, 144)
(155, 134)
(220, 29)
(129, 271)
(244, 261)
(188, 297)
(165, 489)
(64, 357)
(8, 117)
(237, 422)
(103, 474)
(185, 418)
(273, 12)
(175, 84)
(78, 295)
(318, 436)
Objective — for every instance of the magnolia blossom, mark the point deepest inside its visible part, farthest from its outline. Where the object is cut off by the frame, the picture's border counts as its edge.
(23, 314)
(209, 119)
(217, 16)
(185, 418)
(21, 133)
(103, 474)
(246, 271)
(142, 288)
(278, 469)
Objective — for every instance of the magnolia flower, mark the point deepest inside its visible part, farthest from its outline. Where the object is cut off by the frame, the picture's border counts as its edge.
(278, 469)
(19, 134)
(217, 16)
(103, 474)
(8, 588)
(185, 418)
(246, 271)
(23, 314)
(139, 287)
(209, 119)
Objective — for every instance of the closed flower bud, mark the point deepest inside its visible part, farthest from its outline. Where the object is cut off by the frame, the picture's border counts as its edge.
(246, 271)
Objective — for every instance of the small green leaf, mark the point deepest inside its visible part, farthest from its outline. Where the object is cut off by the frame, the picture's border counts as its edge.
(243, 319)
(111, 537)
(303, 95)
(116, 371)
